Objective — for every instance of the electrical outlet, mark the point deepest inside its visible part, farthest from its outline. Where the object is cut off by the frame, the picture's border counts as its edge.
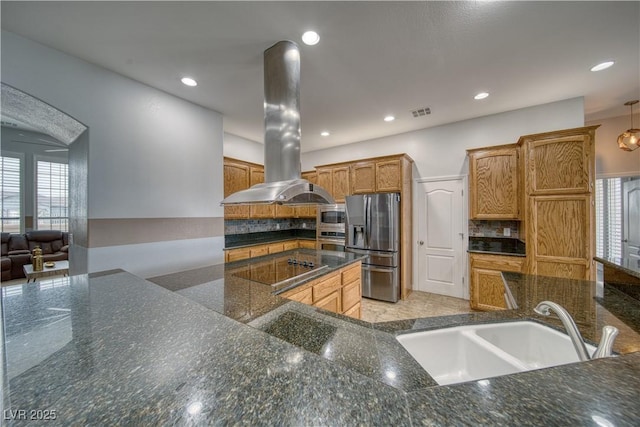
(304, 225)
(506, 232)
(277, 226)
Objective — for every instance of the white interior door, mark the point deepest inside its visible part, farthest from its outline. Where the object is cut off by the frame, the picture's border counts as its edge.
(631, 221)
(441, 238)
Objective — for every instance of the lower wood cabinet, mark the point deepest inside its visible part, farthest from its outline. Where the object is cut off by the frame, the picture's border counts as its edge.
(290, 244)
(338, 292)
(487, 288)
(330, 303)
(245, 252)
(307, 244)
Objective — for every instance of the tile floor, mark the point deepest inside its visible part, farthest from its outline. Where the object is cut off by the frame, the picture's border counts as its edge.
(418, 304)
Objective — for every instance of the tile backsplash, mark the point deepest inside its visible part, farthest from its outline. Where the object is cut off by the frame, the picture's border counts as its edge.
(483, 228)
(244, 226)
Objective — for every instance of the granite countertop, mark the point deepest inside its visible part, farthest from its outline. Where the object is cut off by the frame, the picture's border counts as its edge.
(627, 265)
(232, 241)
(497, 246)
(112, 348)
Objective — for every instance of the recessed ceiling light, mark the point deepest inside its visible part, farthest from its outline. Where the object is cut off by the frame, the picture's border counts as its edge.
(389, 119)
(325, 133)
(602, 66)
(481, 95)
(310, 38)
(189, 81)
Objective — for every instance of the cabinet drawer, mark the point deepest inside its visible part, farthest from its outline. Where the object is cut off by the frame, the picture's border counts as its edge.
(327, 286)
(259, 251)
(307, 244)
(275, 247)
(497, 262)
(238, 254)
(304, 296)
(287, 246)
(354, 311)
(330, 302)
(351, 273)
(351, 294)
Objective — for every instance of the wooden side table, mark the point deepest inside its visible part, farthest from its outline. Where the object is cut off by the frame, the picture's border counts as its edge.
(60, 267)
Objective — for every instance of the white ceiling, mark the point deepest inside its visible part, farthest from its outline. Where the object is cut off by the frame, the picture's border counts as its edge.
(373, 59)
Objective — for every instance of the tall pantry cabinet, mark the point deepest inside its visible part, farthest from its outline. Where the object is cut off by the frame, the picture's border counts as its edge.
(559, 202)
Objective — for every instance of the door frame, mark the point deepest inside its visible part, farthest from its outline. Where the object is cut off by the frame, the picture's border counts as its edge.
(465, 220)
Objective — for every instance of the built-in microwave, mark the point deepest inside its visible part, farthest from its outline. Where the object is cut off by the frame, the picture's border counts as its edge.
(330, 227)
(331, 217)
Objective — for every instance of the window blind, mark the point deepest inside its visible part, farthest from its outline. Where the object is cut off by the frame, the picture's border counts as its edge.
(52, 196)
(609, 217)
(11, 194)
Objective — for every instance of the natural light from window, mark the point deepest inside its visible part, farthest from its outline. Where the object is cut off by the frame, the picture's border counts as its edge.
(52, 200)
(10, 171)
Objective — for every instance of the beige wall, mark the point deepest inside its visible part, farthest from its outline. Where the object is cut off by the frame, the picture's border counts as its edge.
(610, 160)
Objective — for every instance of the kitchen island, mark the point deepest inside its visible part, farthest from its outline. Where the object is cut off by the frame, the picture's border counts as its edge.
(112, 348)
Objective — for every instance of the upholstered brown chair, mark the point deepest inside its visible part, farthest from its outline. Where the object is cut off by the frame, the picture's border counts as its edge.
(6, 261)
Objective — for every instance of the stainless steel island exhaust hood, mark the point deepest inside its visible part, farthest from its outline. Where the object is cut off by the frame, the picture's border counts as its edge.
(283, 184)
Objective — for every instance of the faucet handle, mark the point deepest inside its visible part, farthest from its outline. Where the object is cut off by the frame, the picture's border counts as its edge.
(605, 347)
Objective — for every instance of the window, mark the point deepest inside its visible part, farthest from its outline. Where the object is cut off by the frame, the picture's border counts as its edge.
(609, 217)
(52, 196)
(10, 172)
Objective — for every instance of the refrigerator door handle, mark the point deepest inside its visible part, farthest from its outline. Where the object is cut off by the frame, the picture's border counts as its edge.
(378, 270)
(376, 254)
(367, 220)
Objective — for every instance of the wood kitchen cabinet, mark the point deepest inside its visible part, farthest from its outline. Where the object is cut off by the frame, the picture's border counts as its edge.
(307, 244)
(560, 241)
(487, 288)
(236, 178)
(245, 252)
(378, 175)
(560, 162)
(339, 291)
(560, 213)
(240, 175)
(260, 211)
(494, 183)
(336, 180)
(363, 177)
(307, 211)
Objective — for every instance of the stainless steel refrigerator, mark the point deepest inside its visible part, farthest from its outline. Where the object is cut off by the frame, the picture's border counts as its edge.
(372, 227)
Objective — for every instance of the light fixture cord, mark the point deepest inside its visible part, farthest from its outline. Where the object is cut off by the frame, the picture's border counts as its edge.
(631, 115)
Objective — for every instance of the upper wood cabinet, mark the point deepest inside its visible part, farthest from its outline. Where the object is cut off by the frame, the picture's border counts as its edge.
(236, 178)
(336, 180)
(560, 217)
(363, 177)
(560, 162)
(389, 175)
(307, 211)
(260, 211)
(380, 175)
(493, 183)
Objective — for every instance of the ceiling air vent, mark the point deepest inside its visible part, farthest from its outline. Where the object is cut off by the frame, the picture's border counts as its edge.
(419, 112)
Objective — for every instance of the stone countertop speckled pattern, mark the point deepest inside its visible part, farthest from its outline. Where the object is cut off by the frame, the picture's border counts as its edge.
(497, 246)
(629, 266)
(116, 349)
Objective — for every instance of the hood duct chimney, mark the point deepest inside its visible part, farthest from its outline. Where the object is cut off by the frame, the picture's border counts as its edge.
(283, 184)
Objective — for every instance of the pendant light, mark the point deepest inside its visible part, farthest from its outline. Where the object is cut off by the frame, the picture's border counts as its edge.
(630, 140)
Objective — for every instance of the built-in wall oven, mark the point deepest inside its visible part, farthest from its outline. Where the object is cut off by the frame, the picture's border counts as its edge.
(330, 227)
